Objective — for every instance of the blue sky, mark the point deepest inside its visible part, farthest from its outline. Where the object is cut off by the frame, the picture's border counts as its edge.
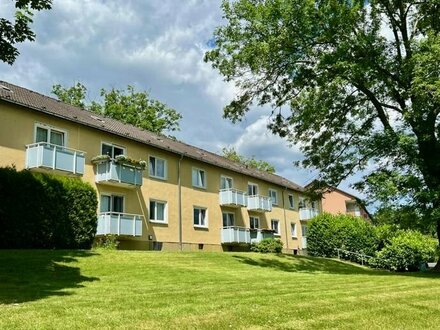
(157, 46)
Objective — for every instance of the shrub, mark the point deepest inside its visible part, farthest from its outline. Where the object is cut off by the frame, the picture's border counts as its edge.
(107, 242)
(268, 245)
(45, 211)
(405, 252)
(328, 232)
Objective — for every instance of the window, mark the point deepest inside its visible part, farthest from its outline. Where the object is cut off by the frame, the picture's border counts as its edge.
(200, 217)
(252, 189)
(291, 201)
(275, 225)
(112, 150)
(157, 167)
(225, 182)
(228, 219)
(293, 230)
(273, 196)
(112, 203)
(198, 178)
(49, 135)
(302, 203)
(254, 222)
(304, 229)
(158, 211)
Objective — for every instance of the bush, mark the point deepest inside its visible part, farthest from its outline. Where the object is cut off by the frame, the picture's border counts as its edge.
(46, 211)
(406, 252)
(328, 232)
(268, 245)
(107, 242)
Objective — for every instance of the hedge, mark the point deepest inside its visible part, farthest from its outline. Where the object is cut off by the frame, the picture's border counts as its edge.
(46, 211)
(268, 245)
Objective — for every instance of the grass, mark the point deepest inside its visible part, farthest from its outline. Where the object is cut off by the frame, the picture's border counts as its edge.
(145, 290)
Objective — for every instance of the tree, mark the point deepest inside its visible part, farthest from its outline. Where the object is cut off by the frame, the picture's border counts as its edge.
(129, 106)
(356, 84)
(18, 31)
(232, 154)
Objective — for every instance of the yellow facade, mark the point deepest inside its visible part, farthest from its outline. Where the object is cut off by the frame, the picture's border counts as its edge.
(18, 129)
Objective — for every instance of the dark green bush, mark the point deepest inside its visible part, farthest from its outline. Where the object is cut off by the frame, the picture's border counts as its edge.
(46, 211)
(268, 245)
(329, 232)
(405, 252)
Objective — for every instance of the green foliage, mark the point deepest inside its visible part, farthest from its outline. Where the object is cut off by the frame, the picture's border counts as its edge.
(329, 232)
(350, 98)
(129, 106)
(268, 245)
(46, 211)
(405, 252)
(232, 154)
(106, 242)
(18, 31)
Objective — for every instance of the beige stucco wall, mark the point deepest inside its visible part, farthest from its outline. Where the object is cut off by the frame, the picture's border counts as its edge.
(17, 130)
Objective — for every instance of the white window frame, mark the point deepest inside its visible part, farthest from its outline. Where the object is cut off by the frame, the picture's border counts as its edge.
(252, 219)
(204, 184)
(291, 205)
(233, 218)
(111, 202)
(278, 232)
(49, 128)
(226, 178)
(165, 211)
(206, 217)
(257, 190)
(274, 200)
(293, 232)
(124, 149)
(165, 169)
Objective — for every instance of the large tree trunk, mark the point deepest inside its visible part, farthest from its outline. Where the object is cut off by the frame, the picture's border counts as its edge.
(437, 266)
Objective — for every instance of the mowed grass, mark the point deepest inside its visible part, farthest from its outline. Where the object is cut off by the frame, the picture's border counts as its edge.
(146, 290)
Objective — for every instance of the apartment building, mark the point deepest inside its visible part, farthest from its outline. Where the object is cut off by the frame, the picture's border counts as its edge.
(155, 193)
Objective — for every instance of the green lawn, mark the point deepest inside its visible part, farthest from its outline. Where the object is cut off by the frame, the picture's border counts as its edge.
(146, 290)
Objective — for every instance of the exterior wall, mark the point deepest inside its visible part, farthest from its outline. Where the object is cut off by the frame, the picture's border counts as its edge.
(336, 202)
(18, 130)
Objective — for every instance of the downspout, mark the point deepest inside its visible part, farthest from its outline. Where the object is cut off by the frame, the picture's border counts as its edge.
(285, 218)
(179, 198)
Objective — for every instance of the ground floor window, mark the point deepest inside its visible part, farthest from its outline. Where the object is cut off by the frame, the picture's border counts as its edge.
(275, 225)
(228, 219)
(293, 230)
(158, 211)
(254, 222)
(200, 218)
(112, 203)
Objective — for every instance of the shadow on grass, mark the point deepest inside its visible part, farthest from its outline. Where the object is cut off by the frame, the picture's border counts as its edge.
(28, 275)
(303, 264)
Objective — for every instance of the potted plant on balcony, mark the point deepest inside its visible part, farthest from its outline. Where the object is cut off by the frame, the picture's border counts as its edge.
(120, 159)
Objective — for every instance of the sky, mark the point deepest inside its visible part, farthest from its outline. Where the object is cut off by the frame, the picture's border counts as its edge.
(158, 47)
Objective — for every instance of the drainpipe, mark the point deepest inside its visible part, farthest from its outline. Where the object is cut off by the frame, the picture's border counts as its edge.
(179, 198)
(285, 218)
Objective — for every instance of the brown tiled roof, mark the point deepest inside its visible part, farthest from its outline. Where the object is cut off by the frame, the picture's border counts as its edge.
(35, 101)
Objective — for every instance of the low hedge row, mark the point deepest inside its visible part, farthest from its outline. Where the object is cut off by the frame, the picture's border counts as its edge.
(46, 211)
(391, 248)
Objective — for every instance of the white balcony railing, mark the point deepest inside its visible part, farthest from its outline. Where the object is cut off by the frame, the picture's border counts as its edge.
(119, 173)
(232, 197)
(307, 213)
(304, 242)
(257, 235)
(55, 157)
(259, 203)
(238, 235)
(119, 224)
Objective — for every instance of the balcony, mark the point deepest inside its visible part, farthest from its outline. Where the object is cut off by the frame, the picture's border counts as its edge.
(119, 224)
(116, 173)
(232, 197)
(257, 235)
(236, 235)
(50, 156)
(307, 213)
(259, 203)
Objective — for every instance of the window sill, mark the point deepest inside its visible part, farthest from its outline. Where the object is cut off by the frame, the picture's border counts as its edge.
(294, 237)
(158, 177)
(199, 187)
(159, 222)
(278, 235)
(200, 227)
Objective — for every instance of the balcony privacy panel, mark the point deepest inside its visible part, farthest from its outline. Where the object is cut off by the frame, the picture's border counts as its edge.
(232, 197)
(45, 155)
(119, 224)
(236, 235)
(116, 172)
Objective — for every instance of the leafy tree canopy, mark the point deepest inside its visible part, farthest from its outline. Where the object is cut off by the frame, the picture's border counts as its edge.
(130, 106)
(232, 154)
(355, 83)
(19, 30)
